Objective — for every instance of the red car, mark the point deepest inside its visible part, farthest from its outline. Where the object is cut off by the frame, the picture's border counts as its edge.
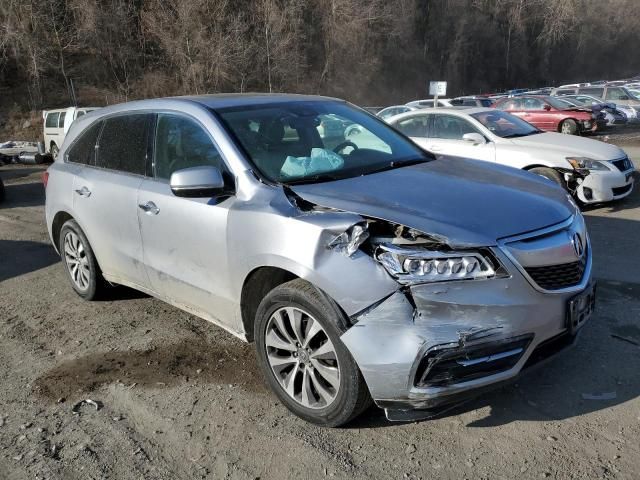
(550, 114)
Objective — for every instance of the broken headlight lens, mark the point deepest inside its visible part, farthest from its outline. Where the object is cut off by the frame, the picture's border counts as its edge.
(411, 265)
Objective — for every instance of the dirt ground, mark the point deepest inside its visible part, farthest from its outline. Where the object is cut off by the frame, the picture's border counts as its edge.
(181, 399)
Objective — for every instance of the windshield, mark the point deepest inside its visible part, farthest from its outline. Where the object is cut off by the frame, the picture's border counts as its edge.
(557, 103)
(310, 141)
(504, 124)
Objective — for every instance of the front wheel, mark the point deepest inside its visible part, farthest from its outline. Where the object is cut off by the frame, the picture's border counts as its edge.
(551, 174)
(568, 126)
(297, 333)
(54, 151)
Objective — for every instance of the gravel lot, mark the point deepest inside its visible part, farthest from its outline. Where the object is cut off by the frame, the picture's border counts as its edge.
(182, 399)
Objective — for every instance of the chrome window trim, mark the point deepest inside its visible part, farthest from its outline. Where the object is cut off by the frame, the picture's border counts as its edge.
(586, 276)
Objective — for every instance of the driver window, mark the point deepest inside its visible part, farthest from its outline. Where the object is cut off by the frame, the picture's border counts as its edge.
(182, 143)
(450, 127)
(616, 94)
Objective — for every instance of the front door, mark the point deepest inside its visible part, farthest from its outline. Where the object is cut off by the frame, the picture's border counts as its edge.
(445, 137)
(185, 246)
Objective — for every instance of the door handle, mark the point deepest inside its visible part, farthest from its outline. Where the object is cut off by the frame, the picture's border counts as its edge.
(433, 148)
(149, 208)
(84, 192)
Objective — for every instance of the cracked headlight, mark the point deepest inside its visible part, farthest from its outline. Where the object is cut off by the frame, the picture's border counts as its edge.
(411, 265)
(586, 163)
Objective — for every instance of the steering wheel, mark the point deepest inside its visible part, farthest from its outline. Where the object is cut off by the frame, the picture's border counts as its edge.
(344, 145)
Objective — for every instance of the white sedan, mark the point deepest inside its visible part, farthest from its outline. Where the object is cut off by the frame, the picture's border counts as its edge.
(591, 170)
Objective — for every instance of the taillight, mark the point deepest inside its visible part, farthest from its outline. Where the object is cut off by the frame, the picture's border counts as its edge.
(45, 178)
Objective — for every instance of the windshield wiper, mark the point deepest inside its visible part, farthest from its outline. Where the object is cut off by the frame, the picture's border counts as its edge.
(399, 164)
(516, 135)
(324, 177)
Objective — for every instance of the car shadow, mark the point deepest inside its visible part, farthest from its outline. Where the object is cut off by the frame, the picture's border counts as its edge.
(23, 195)
(27, 256)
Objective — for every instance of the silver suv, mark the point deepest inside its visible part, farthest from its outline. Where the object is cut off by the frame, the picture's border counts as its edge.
(362, 268)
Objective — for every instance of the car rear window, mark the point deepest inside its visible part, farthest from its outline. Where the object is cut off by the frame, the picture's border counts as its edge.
(83, 149)
(123, 144)
(52, 120)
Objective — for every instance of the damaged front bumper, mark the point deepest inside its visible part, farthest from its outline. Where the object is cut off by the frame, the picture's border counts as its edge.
(432, 345)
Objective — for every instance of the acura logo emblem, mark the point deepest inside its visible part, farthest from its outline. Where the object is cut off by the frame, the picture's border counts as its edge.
(578, 247)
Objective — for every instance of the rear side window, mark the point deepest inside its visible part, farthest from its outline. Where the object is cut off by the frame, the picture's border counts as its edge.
(61, 121)
(513, 104)
(83, 149)
(123, 144)
(414, 126)
(183, 143)
(52, 120)
(596, 92)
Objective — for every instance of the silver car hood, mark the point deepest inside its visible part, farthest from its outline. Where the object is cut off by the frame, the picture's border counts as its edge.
(464, 202)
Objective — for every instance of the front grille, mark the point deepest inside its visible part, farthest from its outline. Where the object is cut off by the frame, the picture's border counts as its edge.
(556, 277)
(623, 164)
(621, 190)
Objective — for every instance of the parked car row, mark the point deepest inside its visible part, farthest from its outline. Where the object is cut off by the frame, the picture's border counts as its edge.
(363, 266)
(590, 170)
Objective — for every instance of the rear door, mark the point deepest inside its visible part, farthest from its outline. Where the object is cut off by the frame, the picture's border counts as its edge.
(445, 137)
(106, 193)
(533, 112)
(185, 240)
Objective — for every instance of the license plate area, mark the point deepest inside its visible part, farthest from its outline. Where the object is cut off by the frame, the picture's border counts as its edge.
(580, 308)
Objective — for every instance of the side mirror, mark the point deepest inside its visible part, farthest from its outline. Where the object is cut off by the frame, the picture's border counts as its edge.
(474, 138)
(198, 182)
(547, 107)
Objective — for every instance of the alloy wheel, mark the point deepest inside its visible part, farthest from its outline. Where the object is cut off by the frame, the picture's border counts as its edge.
(76, 260)
(302, 357)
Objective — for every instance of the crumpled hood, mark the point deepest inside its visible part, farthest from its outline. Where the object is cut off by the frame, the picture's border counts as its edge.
(570, 145)
(465, 202)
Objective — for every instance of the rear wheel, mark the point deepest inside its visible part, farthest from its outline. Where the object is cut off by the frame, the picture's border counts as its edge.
(79, 261)
(568, 126)
(297, 333)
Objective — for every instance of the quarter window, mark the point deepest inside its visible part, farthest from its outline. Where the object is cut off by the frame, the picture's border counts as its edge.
(123, 144)
(83, 149)
(182, 143)
(414, 126)
(450, 127)
(596, 92)
(52, 120)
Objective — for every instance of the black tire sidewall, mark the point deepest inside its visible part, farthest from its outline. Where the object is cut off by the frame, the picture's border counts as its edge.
(94, 273)
(343, 408)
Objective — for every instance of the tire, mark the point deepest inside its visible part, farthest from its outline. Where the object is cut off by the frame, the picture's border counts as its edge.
(323, 404)
(569, 126)
(549, 173)
(54, 151)
(87, 278)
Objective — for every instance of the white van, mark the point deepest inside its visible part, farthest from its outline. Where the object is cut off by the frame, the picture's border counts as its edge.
(57, 123)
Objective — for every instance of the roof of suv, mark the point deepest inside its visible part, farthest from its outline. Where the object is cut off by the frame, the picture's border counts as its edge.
(224, 100)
